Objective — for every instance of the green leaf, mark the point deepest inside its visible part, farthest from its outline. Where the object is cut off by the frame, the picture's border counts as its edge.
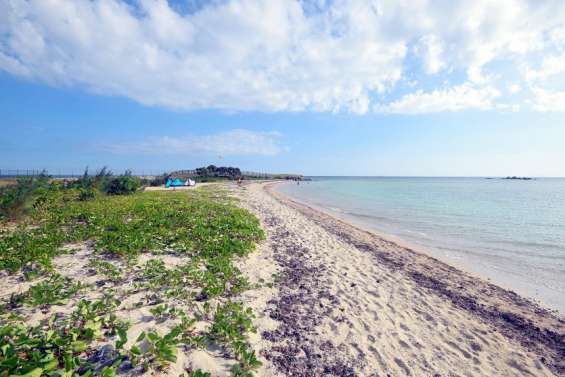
(140, 337)
(153, 336)
(108, 372)
(37, 372)
(79, 346)
(52, 365)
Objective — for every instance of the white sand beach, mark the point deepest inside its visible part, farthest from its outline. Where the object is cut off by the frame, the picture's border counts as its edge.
(350, 303)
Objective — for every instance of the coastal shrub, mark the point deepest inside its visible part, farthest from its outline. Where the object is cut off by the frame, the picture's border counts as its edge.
(92, 182)
(212, 172)
(122, 185)
(86, 194)
(105, 181)
(14, 198)
(156, 181)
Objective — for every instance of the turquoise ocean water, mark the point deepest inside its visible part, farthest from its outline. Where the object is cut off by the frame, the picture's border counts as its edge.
(509, 231)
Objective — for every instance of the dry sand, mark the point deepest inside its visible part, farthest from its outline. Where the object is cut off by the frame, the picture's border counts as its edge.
(7, 182)
(350, 303)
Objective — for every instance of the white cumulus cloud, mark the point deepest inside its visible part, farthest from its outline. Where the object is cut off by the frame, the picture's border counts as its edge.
(430, 50)
(551, 65)
(271, 55)
(548, 100)
(457, 98)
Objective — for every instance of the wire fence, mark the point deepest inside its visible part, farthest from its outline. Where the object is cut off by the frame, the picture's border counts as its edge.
(245, 173)
(75, 173)
(15, 173)
(67, 173)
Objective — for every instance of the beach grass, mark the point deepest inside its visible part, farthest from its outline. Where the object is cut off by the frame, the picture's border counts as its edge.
(202, 228)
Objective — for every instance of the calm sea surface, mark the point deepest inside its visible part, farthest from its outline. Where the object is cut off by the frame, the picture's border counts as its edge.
(510, 231)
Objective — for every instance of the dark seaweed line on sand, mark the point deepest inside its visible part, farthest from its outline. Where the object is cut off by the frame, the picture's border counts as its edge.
(302, 303)
(548, 344)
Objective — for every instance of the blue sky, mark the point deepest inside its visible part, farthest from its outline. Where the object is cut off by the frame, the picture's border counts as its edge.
(316, 87)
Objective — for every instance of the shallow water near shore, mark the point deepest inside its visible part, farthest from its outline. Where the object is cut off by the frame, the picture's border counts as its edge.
(511, 232)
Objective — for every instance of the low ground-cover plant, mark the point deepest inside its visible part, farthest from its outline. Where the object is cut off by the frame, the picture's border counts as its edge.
(55, 290)
(204, 227)
(24, 246)
(98, 318)
(36, 352)
(151, 348)
(164, 312)
(105, 268)
(231, 324)
(197, 373)
(159, 350)
(231, 320)
(60, 346)
(125, 226)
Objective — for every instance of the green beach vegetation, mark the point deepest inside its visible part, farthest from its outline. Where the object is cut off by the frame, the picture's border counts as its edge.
(118, 224)
(212, 173)
(15, 197)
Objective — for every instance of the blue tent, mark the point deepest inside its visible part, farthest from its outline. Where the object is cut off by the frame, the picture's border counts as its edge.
(174, 182)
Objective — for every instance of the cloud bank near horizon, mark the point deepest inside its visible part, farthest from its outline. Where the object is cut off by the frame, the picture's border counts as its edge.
(354, 56)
